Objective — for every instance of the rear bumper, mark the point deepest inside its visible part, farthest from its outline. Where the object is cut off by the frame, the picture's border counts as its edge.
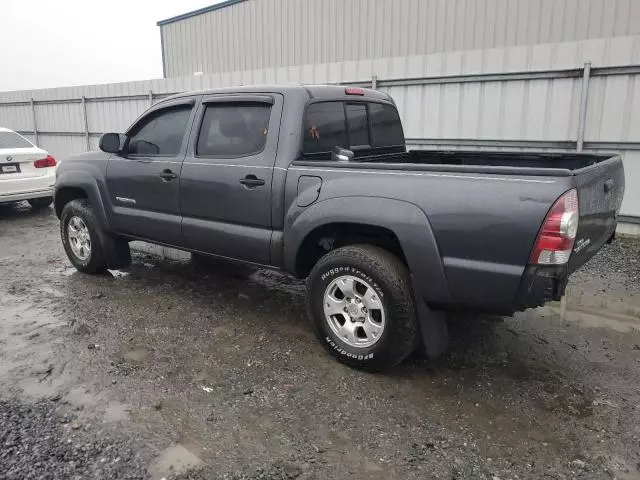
(17, 197)
(541, 284)
(18, 189)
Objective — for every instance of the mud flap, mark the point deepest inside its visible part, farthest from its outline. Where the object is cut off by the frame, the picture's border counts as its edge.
(433, 328)
(116, 251)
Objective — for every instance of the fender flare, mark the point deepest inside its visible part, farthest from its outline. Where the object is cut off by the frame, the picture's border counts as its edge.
(88, 183)
(406, 220)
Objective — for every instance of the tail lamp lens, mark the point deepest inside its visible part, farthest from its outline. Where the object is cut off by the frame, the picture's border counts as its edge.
(558, 233)
(48, 161)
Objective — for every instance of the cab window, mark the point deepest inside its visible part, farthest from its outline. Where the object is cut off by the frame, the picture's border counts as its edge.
(325, 127)
(386, 127)
(233, 130)
(357, 126)
(161, 132)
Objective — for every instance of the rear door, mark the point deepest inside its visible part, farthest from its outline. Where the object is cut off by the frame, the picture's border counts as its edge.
(600, 191)
(225, 186)
(144, 181)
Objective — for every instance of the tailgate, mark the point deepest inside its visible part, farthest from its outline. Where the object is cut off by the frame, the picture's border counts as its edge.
(600, 190)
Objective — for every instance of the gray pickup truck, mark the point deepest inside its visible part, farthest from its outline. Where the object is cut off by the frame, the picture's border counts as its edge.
(317, 181)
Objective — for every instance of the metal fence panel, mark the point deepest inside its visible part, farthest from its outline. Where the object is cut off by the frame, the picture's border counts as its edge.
(614, 108)
(114, 115)
(16, 117)
(523, 97)
(59, 117)
(57, 143)
(526, 110)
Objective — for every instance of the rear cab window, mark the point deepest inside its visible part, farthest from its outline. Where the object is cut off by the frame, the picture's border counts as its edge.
(358, 126)
(13, 140)
(386, 126)
(326, 127)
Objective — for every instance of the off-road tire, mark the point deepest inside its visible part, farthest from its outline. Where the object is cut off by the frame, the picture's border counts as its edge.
(96, 262)
(390, 278)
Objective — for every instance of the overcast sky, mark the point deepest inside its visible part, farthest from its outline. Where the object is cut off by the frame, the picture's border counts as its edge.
(57, 43)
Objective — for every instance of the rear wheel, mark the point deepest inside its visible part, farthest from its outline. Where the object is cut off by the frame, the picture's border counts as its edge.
(40, 203)
(359, 299)
(81, 237)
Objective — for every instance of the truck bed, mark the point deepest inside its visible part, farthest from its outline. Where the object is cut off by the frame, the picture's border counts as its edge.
(485, 210)
(569, 161)
(476, 160)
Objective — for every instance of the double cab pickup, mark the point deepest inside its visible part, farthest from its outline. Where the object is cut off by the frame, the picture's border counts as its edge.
(318, 181)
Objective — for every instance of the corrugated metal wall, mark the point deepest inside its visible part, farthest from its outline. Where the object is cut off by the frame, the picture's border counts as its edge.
(446, 100)
(257, 34)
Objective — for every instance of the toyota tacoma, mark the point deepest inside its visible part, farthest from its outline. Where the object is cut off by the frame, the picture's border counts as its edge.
(317, 181)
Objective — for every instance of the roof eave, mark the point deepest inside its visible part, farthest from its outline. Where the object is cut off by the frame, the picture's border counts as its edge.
(200, 11)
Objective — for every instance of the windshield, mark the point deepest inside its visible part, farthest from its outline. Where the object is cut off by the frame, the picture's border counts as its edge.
(13, 140)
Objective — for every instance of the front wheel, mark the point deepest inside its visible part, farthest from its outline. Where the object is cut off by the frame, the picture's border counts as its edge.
(81, 235)
(359, 299)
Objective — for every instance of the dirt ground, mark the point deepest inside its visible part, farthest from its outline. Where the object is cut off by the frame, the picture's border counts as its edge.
(214, 373)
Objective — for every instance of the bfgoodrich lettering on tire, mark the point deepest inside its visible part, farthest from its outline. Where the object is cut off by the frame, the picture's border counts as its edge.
(359, 299)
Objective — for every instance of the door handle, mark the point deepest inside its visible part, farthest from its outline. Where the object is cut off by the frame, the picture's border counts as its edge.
(167, 175)
(251, 181)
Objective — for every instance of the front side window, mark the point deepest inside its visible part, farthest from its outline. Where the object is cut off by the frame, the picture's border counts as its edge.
(325, 127)
(234, 129)
(13, 140)
(160, 133)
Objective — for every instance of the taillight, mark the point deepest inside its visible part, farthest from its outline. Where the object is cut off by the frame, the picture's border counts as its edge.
(49, 161)
(558, 233)
(353, 91)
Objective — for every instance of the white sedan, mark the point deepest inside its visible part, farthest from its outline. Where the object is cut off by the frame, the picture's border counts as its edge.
(26, 171)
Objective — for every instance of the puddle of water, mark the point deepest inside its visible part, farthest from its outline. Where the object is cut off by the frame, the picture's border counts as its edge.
(81, 396)
(618, 322)
(25, 346)
(173, 460)
(135, 354)
(54, 292)
(592, 316)
(115, 412)
(624, 470)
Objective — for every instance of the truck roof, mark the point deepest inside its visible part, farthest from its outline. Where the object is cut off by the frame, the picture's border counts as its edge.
(338, 92)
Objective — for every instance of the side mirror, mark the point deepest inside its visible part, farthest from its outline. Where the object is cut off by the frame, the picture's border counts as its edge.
(339, 154)
(110, 143)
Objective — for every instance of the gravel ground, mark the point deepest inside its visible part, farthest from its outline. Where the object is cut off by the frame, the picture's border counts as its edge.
(615, 267)
(199, 373)
(38, 442)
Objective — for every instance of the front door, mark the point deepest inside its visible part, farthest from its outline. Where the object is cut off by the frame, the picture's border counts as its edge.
(144, 181)
(225, 186)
